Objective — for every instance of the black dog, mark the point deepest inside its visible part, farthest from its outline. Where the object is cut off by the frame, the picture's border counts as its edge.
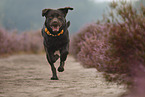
(56, 37)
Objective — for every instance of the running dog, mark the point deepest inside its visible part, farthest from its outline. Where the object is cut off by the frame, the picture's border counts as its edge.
(56, 37)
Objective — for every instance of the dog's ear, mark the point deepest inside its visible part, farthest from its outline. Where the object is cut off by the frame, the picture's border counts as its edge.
(68, 24)
(65, 10)
(45, 11)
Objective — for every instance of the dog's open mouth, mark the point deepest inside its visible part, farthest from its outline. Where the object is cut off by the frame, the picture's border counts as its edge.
(55, 28)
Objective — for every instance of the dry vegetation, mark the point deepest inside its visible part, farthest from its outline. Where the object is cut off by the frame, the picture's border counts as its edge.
(13, 43)
(115, 46)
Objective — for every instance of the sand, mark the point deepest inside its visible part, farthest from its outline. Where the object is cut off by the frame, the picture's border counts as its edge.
(29, 76)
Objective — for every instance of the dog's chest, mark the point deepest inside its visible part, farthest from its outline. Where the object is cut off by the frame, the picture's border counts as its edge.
(55, 42)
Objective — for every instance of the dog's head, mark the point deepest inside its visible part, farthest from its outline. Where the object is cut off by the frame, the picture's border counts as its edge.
(55, 18)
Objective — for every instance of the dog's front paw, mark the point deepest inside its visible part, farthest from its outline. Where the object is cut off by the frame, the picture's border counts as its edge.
(54, 78)
(60, 69)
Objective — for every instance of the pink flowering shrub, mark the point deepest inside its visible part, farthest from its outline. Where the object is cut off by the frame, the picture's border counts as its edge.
(117, 45)
(117, 48)
(89, 46)
(30, 42)
(127, 38)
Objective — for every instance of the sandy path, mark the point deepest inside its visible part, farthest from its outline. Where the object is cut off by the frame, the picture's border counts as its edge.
(29, 76)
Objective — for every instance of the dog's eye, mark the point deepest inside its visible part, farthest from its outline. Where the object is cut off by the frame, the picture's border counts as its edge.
(59, 17)
(50, 17)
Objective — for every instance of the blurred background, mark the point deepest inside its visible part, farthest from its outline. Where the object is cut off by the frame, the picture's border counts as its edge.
(106, 35)
(25, 15)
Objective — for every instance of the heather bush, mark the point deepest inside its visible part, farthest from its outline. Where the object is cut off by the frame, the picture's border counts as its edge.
(89, 46)
(32, 42)
(120, 47)
(119, 51)
(27, 42)
(85, 33)
(127, 38)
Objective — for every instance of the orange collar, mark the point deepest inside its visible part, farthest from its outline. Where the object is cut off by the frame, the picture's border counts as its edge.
(61, 32)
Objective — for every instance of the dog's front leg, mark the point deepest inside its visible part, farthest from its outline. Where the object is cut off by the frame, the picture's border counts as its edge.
(53, 69)
(51, 58)
(63, 55)
(54, 77)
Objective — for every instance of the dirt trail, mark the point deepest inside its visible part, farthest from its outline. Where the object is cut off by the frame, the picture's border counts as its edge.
(29, 76)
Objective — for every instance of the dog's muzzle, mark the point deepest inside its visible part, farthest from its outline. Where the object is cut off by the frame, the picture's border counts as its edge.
(55, 25)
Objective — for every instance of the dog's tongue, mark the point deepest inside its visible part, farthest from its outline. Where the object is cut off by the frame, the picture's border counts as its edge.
(55, 29)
